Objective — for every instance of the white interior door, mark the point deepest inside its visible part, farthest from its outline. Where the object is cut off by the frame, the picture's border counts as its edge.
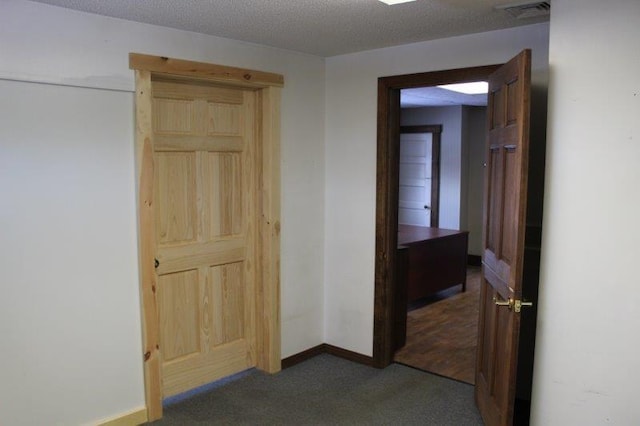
(414, 196)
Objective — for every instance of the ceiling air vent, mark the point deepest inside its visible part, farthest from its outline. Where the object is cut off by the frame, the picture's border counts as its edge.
(527, 9)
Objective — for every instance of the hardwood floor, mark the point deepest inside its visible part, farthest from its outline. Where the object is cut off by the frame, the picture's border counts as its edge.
(442, 332)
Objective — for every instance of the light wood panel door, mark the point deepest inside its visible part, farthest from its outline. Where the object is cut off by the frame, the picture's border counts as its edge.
(504, 237)
(208, 173)
(205, 191)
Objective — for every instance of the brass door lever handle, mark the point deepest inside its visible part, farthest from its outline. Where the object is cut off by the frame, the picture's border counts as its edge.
(507, 303)
(518, 304)
(515, 304)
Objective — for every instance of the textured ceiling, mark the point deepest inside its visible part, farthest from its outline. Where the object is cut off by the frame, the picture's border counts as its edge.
(318, 27)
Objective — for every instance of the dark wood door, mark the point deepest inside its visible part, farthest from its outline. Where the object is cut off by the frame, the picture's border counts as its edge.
(505, 208)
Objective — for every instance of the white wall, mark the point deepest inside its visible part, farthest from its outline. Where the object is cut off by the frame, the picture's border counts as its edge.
(71, 314)
(351, 100)
(450, 117)
(587, 349)
(69, 311)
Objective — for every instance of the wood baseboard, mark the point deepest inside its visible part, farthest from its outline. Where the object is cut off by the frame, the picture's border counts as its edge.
(132, 418)
(350, 355)
(292, 360)
(326, 348)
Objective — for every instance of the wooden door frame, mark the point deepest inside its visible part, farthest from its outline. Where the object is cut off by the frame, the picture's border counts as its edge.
(435, 130)
(388, 152)
(267, 87)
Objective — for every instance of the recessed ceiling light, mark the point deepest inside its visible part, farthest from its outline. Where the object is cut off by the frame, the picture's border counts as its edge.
(475, 88)
(391, 2)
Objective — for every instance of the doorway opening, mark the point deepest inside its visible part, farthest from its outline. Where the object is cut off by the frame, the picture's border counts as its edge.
(443, 276)
(390, 309)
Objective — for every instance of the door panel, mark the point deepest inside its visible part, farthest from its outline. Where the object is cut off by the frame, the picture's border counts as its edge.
(228, 302)
(224, 119)
(179, 310)
(206, 191)
(509, 210)
(504, 232)
(173, 116)
(225, 189)
(177, 212)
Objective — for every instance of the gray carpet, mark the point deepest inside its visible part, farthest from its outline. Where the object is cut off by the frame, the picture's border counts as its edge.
(327, 390)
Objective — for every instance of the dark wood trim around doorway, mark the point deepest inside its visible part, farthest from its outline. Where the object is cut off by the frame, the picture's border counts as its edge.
(388, 153)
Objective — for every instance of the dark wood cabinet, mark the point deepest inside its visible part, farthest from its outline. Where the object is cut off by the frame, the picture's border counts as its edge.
(429, 260)
(435, 259)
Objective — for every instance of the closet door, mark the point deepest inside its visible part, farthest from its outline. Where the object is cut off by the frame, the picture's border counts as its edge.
(205, 191)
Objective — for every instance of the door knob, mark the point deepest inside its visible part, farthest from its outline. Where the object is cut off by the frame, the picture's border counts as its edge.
(427, 207)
